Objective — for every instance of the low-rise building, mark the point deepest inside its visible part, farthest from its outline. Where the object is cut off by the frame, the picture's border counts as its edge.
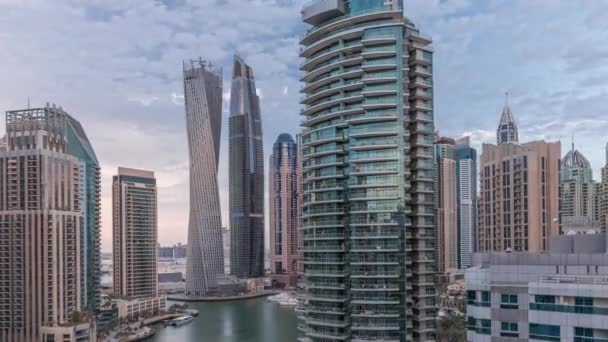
(81, 332)
(560, 295)
(133, 309)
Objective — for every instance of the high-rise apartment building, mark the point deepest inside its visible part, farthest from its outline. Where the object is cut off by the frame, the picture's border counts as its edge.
(49, 199)
(246, 166)
(447, 219)
(367, 157)
(579, 193)
(519, 195)
(558, 295)
(466, 184)
(283, 207)
(135, 233)
(203, 100)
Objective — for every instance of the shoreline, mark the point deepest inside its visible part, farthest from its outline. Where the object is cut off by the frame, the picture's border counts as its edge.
(222, 299)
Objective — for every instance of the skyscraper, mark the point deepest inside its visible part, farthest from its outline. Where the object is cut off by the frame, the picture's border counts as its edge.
(466, 182)
(447, 221)
(283, 207)
(135, 233)
(246, 175)
(519, 195)
(507, 129)
(44, 216)
(367, 156)
(203, 100)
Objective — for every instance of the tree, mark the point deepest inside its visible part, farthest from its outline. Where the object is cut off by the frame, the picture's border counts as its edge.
(451, 328)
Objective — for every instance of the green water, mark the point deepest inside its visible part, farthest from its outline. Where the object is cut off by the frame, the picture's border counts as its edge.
(253, 320)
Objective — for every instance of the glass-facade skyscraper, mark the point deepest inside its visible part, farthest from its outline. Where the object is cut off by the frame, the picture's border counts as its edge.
(466, 185)
(246, 166)
(203, 99)
(368, 221)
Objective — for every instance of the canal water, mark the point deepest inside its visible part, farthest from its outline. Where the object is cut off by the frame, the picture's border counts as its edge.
(251, 320)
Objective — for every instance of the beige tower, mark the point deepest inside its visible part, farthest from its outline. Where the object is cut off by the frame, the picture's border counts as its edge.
(135, 233)
(41, 225)
(519, 196)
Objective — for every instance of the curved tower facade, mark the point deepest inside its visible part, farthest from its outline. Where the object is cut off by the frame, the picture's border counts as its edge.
(203, 100)
(368, 221)
(246, 175)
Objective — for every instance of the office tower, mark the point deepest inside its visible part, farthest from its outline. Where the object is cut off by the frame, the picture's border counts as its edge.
(246, 166)
(135, 233)
(558, 295)
(447, 220)
(579, 194)
(44, 217)
(203, 99)
(299, 210)
(466, 182)
(368, 218)
(507, 129)
(519, 195)
(282, 204)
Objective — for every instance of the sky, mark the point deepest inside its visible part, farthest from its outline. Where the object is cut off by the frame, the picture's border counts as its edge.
(115, 65)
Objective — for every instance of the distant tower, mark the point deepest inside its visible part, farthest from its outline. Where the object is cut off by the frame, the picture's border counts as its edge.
(283, 208)
(203, 97)
(447, 221)
(507, 129)
(135, 233)
(466, 181)
(246, 166)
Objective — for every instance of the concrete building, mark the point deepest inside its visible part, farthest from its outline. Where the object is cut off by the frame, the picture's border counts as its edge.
(134, 309)
(135, 233)
(559, 295)
(76, 332)
(368, 221)
(447, 219)
(519, 195)
(466, 182)
(246, 168)
(203, 100)
(46, 196)
(283, 207)
(178, 251)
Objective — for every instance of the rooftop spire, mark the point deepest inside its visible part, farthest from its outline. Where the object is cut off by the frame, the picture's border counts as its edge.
(507, 130)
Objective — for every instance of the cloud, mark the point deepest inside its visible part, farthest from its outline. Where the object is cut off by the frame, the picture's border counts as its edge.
(117, 66)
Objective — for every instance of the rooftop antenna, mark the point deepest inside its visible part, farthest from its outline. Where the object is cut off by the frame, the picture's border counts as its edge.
(572, 142)
(506, 98)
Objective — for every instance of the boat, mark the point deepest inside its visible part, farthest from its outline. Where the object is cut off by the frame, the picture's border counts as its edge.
(176, 322)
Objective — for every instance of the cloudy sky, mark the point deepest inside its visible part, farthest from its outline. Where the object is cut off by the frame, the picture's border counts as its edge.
(116, 66)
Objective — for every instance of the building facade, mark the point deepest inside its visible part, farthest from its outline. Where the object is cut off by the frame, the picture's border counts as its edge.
(203, 100)
(559, 295)
(466, 183)
(135, 233)
(368, 225)
(77, 332)
(283, 206)
(507, 129)
(44, 203)
(447, 209)
(579, 193)
(519, 195)
(246, 166)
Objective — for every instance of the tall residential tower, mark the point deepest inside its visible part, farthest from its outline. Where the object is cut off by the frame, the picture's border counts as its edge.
(135, 233)
(246, 166)
(466, 182)
(283, 208)
(447, 221)
(368, 218)
(519, 195)
(49, 199)
(203, 99)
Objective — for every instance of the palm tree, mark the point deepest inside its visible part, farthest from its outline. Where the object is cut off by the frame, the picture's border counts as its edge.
(451, 328)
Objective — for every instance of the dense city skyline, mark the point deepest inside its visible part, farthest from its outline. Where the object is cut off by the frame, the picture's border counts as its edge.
(133, 92)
